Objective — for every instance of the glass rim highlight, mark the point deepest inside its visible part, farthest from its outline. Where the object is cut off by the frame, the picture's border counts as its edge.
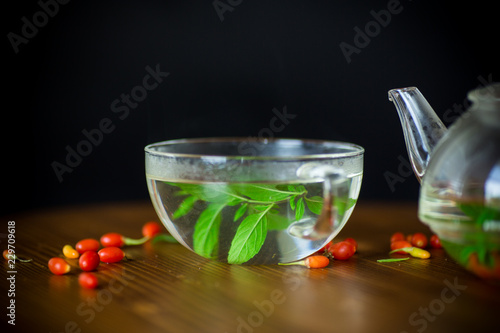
(352, 150)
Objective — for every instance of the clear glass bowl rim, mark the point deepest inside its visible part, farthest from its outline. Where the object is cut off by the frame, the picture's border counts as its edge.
(352, 149)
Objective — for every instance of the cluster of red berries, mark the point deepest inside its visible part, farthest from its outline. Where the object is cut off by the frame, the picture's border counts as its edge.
(340, 251)
(418, 239)
(89, 253)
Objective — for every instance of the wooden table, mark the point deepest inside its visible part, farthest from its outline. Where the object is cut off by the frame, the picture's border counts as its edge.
(166, 288)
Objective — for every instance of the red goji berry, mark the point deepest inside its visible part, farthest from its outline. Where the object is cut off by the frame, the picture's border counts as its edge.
(484, 270)
(353, 242)
(10, 255)
(342, 250)
(151, 229)
(69, 252)
(399, 245)
(316, 261)
(324, 248)
(397, 236)
(58, 266)
(418, 239)
(435, 242)
(114, 239)
(88, 244)
(89, 261)
(111, 254)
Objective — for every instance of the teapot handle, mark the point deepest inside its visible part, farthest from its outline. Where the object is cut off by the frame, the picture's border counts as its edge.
(335, 186)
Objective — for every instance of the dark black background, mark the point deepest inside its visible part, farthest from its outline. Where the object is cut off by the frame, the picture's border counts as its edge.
(225, 79)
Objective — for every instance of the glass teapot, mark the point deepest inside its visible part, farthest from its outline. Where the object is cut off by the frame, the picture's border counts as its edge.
(459, 171)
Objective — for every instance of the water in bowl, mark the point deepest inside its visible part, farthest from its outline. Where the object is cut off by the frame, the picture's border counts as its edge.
(247, 223)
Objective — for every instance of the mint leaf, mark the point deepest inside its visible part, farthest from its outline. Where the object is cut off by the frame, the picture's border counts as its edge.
(262, 192)
(257, 205)
(480, 213)
(260, 208)
(240, 212)
(277, 221)
(206, 230)
(185, 206)
(343, 204)
(211, 192)
(233, 201)
(292, 202)
(180, 193)
(164, 238)
(471, 210)
(249, 238)
(299, 210)
(315, 204)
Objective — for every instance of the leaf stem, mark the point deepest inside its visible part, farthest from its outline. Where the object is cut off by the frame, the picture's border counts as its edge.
(244, 199)
(164, 238)
(393, 259)
(132, 241)
(276, 201)
(264, 212)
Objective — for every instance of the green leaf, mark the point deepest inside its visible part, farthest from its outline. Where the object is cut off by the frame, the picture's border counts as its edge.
(292, 202)
(260, 208)
(262, 192)
(343, 204)
(393, 259)
(206, 230)
(249, 238)
(164, 238)
(185, 188)
(240, 212)
(234, 201)
(210, 192)
(299, 210)
(181, 193)
(471, 210)
(185, 207)
(276, 221)
(315, 204)
(480, 213)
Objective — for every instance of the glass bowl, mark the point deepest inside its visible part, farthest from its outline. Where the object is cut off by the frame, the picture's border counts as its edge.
(254, 201)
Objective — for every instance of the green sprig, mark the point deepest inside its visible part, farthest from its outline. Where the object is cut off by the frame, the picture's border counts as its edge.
(256, 206)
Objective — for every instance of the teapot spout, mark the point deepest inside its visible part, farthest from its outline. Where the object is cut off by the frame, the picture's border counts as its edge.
(422, 128)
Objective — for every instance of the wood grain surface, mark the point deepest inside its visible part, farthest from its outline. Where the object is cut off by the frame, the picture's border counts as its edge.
(166, 288)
